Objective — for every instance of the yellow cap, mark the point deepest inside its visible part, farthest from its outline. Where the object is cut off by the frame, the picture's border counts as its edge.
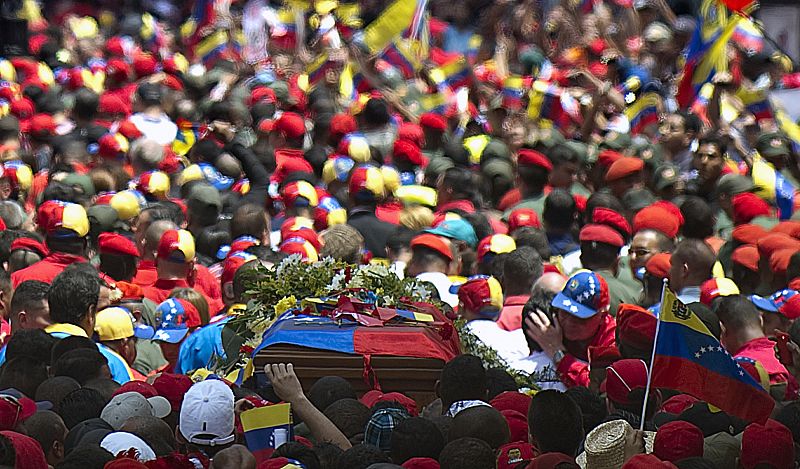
(113, 324)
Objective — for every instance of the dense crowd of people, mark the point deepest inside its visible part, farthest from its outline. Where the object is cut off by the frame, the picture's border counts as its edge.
(547, 168)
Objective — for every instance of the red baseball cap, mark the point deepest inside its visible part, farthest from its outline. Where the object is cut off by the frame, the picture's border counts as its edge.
(433, 121)
(437, 243)
(523, 217)
(145, 389)
(173, 387)
(115, 243)
(511, 455)
(342, 124)
(42, 125)
(511, 400)
(408, 151)
(232, 263)
(716, 287)
(677, 404)
(678, 440)
(412, 133)
(622, 377)
(647, 461)
(176, 246)
(14, 410)
(770, 444)
(291, 125)
(370, 398)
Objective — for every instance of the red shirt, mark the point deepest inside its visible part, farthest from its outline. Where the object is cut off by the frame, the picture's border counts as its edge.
(573, 369)
(511, 315)
(205, 282)
(159, 291)
(46, 269)
(762, 350)
(464, 205)
(146, 274)
(389, 212)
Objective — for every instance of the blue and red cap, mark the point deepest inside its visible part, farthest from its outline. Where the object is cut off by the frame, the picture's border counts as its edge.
(584, 295)
(177, 317)
(63, 219)
(300, 194)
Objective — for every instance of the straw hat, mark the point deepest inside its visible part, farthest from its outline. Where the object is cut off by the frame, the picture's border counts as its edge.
(605, 445)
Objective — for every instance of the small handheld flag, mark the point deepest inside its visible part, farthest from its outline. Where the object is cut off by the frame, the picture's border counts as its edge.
(266, 428)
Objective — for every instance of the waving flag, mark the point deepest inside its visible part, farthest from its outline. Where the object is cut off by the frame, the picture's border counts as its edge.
(266, 428)
(643, 112)
(789, 128)
(453, 74)
(513, 91)
(756, 102)
(202, 16)
(544, 102)
(316, 69)
(690, 359)
(400, 55)
(395, 19)
(772, 186)
(152, 36)
(748, 36)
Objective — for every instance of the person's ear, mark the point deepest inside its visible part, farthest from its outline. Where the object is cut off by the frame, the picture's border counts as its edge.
(58, 449)
(22, 318)
(436, 388)
(227, 290)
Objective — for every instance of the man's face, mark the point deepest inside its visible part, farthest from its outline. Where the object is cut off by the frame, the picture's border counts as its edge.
(708, 161)
(673, 133)
(644, 245)
(576, 329)
(36, 316)
(104, 300)
(564, 175)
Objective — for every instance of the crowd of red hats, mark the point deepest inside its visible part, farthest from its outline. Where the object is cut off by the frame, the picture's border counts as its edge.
(557, 176)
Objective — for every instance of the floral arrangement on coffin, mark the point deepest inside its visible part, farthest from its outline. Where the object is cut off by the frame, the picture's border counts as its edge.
(295, 284)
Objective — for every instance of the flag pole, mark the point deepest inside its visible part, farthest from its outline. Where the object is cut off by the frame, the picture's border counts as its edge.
(652, 359)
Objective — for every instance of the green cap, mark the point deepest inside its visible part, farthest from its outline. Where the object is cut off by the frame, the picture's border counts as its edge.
(532, 59)
(496, 149)
(652, 154)
(636, 199)
(437, 166)
(102, 218)
(772, 145)
(665, 176)
(204, 196)
(616, 141)
(580, 148)
(81, 180)
(498, 167)
(732, 184)
(281, 89)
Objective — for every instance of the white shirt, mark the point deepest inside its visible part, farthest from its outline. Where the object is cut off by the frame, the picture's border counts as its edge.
(538, 362)
(160, 129)
(442, 284)
(509, 345)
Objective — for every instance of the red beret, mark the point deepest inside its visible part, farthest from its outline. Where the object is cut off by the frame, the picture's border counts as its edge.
(262, 94)
(748, 233)
(624, 167)
(671, 208)
(523, 217)
(789, 227)
(115, 45)
(518, 427)
(779, 260)
(36, 42)
(658, 265)
(512, 400)
(113, 104)
(420, 463)
(772, 242)
(606, 216)
(144, 65)
(656, 218)
(342, 124)
(636, 326)
(770, 444)
(607, 157)
(533, 158)
(747, 206)
(411, 132)
(677, 404)
(29, 244)
(42, 124)
(433, 121)
(115, 243)
(437, 243)
(21, 108)
(601, 356)
(292, 165)
(746, 256)
(580, 202)
(601, 234)
(109, 146)
(408, 151)
(291, 125)
(118, 70)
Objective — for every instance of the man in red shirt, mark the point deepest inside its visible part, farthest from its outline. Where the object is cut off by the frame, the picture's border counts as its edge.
(742, 336)
(65, 226)
(522, 267)
(582, 321)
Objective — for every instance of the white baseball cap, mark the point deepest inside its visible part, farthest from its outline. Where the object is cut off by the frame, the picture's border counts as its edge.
(207, 414)
(120, 442)
(132, 404)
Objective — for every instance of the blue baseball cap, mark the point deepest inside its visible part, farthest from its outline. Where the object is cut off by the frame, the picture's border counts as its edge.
(177, 317)
(458, 229)
(765, 304)
(214, 177)
(584, 295)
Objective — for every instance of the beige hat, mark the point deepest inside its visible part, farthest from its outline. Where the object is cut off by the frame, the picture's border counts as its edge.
(605, 445)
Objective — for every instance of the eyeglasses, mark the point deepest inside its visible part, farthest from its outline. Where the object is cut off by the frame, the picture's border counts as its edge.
(640, 252)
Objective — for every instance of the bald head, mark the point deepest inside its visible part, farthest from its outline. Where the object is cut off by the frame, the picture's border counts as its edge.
(146, 155)
(691, 264)
(154, 233)
(551, 282)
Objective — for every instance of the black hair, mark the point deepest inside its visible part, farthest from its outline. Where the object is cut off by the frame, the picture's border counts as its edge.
(496, 267)
(699, 463)
(691, 123)
(70, 343)
(522, 268)
(120, 267)
(349, 415)
(240, 284)
(400, 239)
(498, 381)
(555, 422)
(86, 104)
(467, 452)
(46, 427)
(532, 237)
(210, 239)
(105, 386)
(82, 365)
(155, 432)
(72, 296)
(8, 455)
(30, 343)
(250, 220)
(479, 223)
(596, 256)
(361, 456)
(593, 407)
(260, 111)
(736, 312)
(559, 210)
(327, 454)
(24, 374)
(460, 181)
(416, 437)
(375, 112)
(266, 254)
(561, 154)
(164, 210)
(533, 177)
(712, 139)
(463, 378)
(482, 422)
(6, 238)
(54, 389)
(789, 415)
(299, 452)
(86, 457)
(698, 218)
(540, 300)
(602, 199)
(79, 405)
(793, 270)
(457, 153)
(316, 156)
